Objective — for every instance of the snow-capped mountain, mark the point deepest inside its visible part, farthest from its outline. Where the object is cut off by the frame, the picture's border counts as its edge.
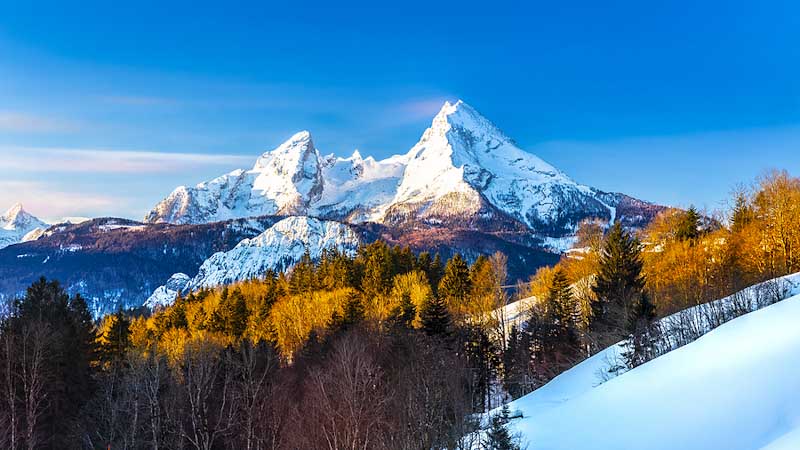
(17, 225)
(292, 179)
(464, 169)
(278, 248)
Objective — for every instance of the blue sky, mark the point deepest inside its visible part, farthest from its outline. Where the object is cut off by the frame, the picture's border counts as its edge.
(104, 108)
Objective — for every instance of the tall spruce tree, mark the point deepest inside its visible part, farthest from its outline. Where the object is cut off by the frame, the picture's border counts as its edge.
(742, 214)
(117, 338)
(618, 286)
(435, 317)
(688, 228)
(436, 272)
(404, 313)
(498, 437)
(303, 277)
(454, 288)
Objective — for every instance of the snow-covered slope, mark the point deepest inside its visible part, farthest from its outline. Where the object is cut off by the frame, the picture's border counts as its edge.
(17, 225)
(166, 294)
(463, 168)
(277, 248)
(735, 388)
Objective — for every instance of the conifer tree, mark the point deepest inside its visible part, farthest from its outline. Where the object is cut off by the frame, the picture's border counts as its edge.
(404, 313)
(689, 226)
(642, 332)
(177, 314)
(378, 270)
(436, 272)
(352, 314)
(424, 263)
(742, 214)
(455, 286)
(237, 314)
(619, 284)
(498, 437)
(117, 338)
(435, 317)
(303, 277)
(561, 300)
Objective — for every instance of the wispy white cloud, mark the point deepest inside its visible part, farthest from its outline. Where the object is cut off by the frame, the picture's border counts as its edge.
(17, 122)
(51, 204)
(415, 110)
(64, 160)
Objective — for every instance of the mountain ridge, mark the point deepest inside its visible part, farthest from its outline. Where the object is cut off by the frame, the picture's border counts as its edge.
(463, 167)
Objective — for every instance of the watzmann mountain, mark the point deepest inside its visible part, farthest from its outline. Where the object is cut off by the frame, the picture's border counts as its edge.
(464, 170)
(465, 188)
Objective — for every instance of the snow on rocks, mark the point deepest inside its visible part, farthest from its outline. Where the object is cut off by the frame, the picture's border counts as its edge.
(463, 166)
(278, 248)
(165, 295)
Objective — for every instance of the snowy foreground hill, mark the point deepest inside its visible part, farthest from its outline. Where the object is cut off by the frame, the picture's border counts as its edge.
(736, 388)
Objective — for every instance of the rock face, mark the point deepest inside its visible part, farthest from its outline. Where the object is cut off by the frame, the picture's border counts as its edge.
(464, 170)
(17, 225)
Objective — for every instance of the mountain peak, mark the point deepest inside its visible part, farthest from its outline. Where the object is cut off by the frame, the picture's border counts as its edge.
(16, 223)
(296, 148)
(16, 216)
(15, 209)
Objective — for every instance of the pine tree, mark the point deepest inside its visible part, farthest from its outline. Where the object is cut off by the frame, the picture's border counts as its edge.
(742, 214)
(378, 272)
(561, 301)
(404, 313)
(353, 310)
(117, 338)
(236, 314)
(456, 284)
(689, 226)
(436, 272)
(177, 314)
(642, 333)
(618, 285)
(303, 277)
(498, 437)
(435, 317)
(352, 314)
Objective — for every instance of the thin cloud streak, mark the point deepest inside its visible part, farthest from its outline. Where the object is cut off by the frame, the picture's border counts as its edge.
(38, 159)
(51, 204)
(17, 122)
